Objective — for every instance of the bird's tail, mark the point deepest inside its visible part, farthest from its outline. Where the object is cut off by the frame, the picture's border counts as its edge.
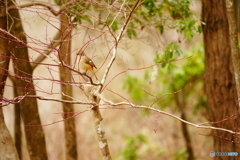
(94, 74)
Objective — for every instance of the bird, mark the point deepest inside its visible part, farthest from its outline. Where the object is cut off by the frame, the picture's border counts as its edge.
(86, 64)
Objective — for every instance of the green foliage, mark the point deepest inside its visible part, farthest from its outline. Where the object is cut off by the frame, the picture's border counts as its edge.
(57, 2)
(185, 22)
(160, 27)
(178, 9)
(172, 13)
(188, 27)
(80, 19)
(190, 70)
(114, 25)
(238, 44)
(133, 85)
(131, 32)
(181, 18)
(178, 75)
(132, 144)
(151, 7)
(171, 51)
(171, 78)
(181, 155)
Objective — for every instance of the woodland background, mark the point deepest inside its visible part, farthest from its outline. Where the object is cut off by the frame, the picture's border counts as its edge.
(160, 63)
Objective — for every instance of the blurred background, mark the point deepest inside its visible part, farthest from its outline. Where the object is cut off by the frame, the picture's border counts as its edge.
(140, 74)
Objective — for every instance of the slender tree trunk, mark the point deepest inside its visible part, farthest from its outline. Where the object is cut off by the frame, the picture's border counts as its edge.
(180, 102)
(220, 85)
(22, 68)
(65, 76)
(179, 97)
(7, 148)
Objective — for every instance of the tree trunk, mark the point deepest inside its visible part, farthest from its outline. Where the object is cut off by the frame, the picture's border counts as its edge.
(220, 84)
(180, 101)
(29, 108)
(237, 15)
(7, 148)
(65, 76)
(234, 42)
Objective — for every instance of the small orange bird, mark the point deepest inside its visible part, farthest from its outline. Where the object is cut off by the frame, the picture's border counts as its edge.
(86, 64)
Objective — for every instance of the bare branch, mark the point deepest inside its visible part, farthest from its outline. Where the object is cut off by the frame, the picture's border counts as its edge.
(165, 113)
(19, 98)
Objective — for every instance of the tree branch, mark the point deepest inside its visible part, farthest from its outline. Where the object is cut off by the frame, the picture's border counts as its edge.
(118, 38)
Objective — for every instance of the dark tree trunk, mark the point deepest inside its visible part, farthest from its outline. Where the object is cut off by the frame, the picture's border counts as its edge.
(220, 84)
(29, 108)
(7, 148)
